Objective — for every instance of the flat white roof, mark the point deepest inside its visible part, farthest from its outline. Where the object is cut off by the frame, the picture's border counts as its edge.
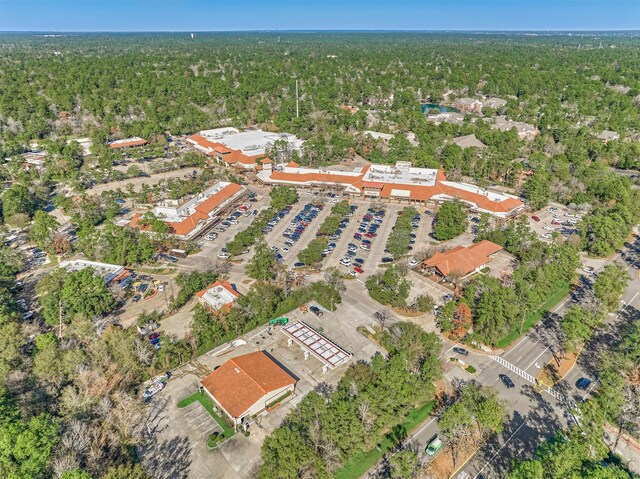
(126, 140)
(105, 270)
(377, 134)
(218, 297)
(176, 213)
(401, 175)
(492, 195)
(317, 344)
(250, 142)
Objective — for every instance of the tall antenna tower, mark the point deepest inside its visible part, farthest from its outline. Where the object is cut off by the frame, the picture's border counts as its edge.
(297, 101)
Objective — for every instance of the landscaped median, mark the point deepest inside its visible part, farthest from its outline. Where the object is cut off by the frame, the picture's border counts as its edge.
(361, 463)
(227, 431)
(554, 298)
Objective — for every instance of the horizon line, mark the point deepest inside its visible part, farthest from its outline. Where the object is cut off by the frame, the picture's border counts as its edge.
(362, 30)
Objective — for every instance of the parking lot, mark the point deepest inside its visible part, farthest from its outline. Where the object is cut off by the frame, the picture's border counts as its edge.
(555, 217)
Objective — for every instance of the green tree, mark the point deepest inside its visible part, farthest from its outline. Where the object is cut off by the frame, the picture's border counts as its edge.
(389, 287)
(403, 464)
(18, 200)
(451, 220)
(262, 265)
(610, 284)
(536, 189)
(43, 228)
(312, 254)
(282, 196)
(26, 445)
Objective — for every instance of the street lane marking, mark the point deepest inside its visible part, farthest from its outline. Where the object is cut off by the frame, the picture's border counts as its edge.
(501, 447)
(422, 428)
(536, 359)
(632, 299)
(562, 304)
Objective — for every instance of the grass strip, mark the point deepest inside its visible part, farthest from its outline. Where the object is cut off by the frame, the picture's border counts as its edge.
(554, 298)
(360, 464)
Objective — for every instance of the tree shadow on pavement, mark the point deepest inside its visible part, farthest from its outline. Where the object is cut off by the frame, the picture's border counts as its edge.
(524, 435)
(168, 459)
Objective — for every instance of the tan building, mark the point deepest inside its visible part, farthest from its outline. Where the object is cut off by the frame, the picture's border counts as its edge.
(468, 141)
(470, 105)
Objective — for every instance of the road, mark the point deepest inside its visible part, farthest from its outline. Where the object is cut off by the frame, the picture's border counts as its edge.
(535, 416)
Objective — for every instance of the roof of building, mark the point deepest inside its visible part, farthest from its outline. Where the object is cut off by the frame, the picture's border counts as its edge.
(201, 211)
(106, 271)
(219, 294)
(398, 181)
(134, 141)
(468, 141)
(242, 381)
(376, 135)
(317, 344)
(463, 260)
(609, 135)
(468, 101)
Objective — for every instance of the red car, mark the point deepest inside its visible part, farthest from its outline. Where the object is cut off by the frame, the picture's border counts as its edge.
(153, 336)
(370, 235)
(358, 269)
(554, 222)
(357, 236)
(535, 218)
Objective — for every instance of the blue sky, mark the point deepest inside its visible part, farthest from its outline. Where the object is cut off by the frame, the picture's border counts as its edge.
(232, 15)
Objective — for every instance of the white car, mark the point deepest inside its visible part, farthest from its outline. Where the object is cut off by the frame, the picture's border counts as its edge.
(588, 269)
(547, 235)
(224, 255)
(211, 236)
(413, 262)
(548, 228)
(335, 200)
(285, 249)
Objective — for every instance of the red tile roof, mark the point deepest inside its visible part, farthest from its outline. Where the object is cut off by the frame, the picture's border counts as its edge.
(244, 380)
(203, 142)
(463, 260)
(201, 212)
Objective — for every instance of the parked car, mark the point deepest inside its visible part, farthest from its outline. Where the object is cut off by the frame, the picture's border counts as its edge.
(358, 269)
(387, 260)
(298, 265)
(315, 310)
(506, 380)
(535, 218)
(583, 383)
(461, 351)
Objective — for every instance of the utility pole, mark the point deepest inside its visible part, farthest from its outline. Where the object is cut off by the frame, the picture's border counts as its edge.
(297, 103)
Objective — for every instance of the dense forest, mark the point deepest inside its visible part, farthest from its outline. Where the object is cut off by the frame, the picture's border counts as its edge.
(67, 391)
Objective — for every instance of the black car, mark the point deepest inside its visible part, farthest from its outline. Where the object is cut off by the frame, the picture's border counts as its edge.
(298, 265)
(506, 380)
(387, 260)
(583, 383)
(315, 310)
(461, 351)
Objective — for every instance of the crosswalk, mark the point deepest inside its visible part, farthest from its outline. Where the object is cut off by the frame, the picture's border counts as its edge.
(562, 398)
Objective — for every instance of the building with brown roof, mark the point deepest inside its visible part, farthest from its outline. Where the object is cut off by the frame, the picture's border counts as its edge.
(470, 105)
(245, 150)
(245, 385)
(468, 141)
(187, 218)
(462, 261)
(401, 182)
